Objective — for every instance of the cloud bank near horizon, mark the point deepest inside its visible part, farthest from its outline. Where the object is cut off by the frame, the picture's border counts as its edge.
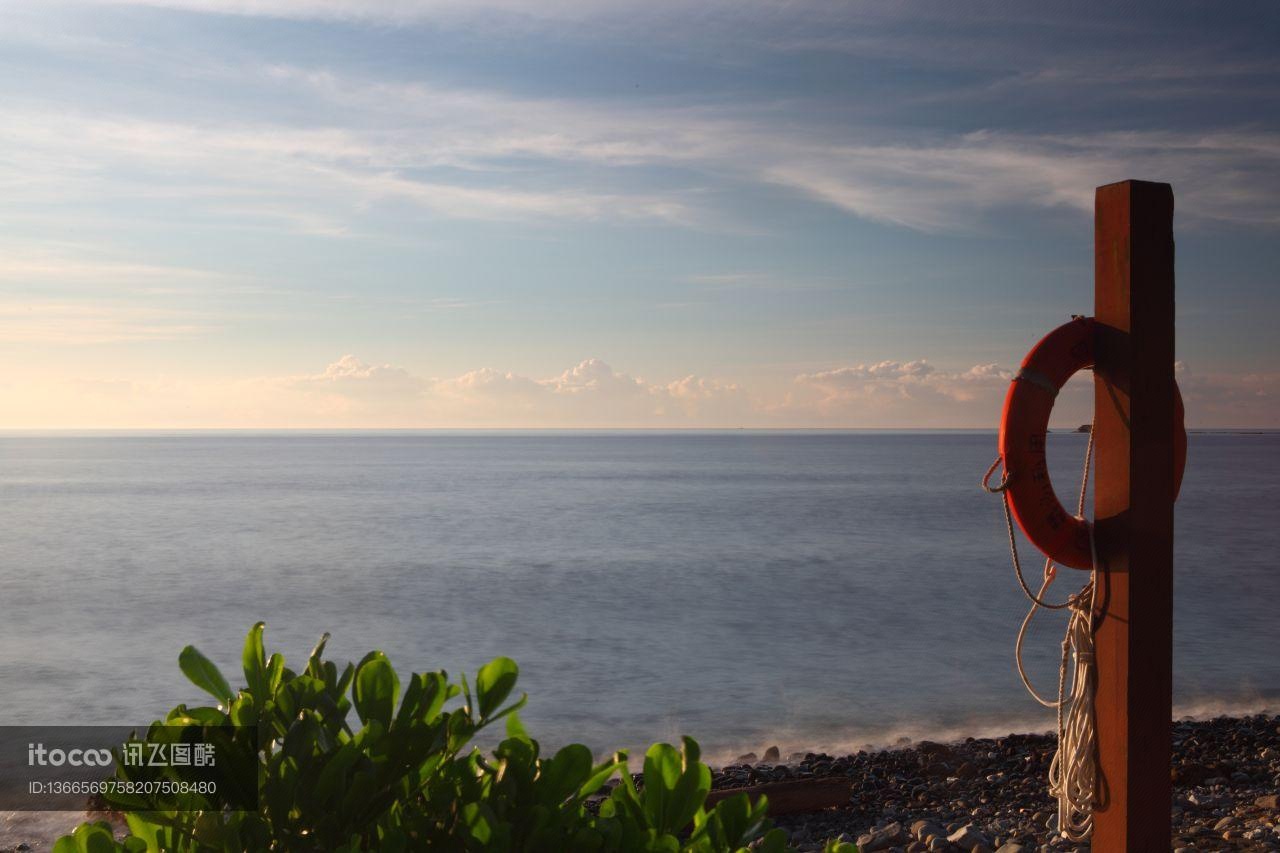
(354, 394)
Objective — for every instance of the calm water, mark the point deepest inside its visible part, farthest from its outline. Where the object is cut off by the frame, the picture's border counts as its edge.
(809, 590)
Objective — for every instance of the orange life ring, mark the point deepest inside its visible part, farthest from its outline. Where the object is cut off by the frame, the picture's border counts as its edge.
(1062, 537)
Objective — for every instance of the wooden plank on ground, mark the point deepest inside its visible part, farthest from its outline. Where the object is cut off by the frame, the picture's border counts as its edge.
(793, 796)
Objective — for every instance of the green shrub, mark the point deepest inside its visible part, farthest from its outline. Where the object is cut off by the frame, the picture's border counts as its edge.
(409, 778)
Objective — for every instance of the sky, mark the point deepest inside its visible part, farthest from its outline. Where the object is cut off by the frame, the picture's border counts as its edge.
(622, 213)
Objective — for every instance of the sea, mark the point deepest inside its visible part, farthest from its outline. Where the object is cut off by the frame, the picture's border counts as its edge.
(824, 591)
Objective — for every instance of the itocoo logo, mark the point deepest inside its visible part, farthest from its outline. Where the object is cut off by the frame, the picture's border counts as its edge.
(38, 756)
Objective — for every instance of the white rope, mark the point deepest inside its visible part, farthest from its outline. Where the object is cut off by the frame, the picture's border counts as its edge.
(1073, 773)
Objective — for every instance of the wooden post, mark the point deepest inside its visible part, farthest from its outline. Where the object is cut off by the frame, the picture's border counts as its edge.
(1133, 505)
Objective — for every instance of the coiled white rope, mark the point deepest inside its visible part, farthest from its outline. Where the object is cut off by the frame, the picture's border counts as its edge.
(1073, 773)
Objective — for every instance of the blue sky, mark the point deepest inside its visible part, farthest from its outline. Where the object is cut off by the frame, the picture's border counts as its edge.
(333, 213)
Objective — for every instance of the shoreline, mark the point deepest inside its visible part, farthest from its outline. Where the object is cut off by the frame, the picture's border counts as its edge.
(990, 794)
(792, 746)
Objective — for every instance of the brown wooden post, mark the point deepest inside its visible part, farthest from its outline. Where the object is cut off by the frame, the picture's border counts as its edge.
(1133, 505)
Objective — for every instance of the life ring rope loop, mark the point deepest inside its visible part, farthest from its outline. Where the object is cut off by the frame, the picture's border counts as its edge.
(1004, 478)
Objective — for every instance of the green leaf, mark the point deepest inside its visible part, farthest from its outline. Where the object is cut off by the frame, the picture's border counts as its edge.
(329, 782)
(344, 680)
(515, 728)
(274, 673)
(563, 775)
(692, 752)
(376, 689)
(739, 820)
(315, 662)
(775, 841)
(423, 700)
(479, 823)
(494, 684)
(691, 790)
(254, 660)
(600, 774)
(467, 704)
(88, 838)
(146, 830)
(243, 712)
(661, 772)
(203, 715)
(204, 674)
(675, 785)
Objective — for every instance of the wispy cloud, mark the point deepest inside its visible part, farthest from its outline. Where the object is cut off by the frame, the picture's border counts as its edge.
(75, 323)
(82, 295)
(476, 154)
(938, 182)
(400, 11)
(313, 181)
(757, 281)
(948, 185)
(23, 267)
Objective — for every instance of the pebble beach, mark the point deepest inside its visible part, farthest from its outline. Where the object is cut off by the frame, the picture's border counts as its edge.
(989, 794)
